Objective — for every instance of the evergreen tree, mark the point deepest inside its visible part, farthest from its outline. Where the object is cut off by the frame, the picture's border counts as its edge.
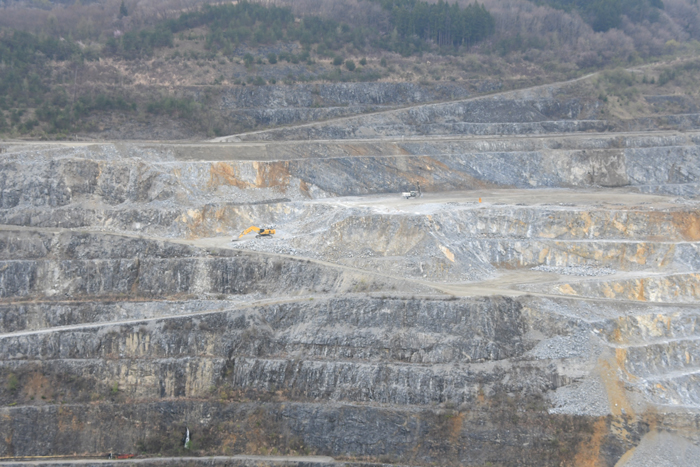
(440, 22)
(123, 11)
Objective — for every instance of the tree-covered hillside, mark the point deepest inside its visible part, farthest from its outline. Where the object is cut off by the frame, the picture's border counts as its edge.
(604, 15)
(67, 66)
(26, 82)
(442, 23)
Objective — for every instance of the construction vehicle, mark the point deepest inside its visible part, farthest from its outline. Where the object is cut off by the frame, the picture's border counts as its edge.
(261, 232)
(413, 193)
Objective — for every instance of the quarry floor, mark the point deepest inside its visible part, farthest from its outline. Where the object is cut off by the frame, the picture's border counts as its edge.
(505, 282)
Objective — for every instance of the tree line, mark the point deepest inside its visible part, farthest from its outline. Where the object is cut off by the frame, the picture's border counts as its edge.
(23, 57)
(604, 15)
(440, 22)
(231, 25)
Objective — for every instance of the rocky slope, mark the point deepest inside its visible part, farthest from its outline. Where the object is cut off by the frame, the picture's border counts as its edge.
(371, 328)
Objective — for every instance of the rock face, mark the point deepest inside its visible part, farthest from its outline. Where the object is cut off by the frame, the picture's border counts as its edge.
(425, 373)
(513, 113)
(72, 266)
(370, 328)
(284, 105)
(155, 189)
(559, 108)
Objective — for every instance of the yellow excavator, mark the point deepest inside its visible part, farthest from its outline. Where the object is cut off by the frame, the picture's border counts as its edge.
(261, 232)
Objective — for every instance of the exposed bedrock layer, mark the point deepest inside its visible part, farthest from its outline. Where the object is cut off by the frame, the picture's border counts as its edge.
(36, 315)
(460, 241)
(127, 188)
(256, 106)
(338, 376)
(658, 354)
(339, 94)
(82, 266)
(534, 111)
(127, 314)
(395, 434)
(541, 110)
(212, 461)
(366, 358)
(111, 176)
(414, 381)
(663, 288)
(467, 241)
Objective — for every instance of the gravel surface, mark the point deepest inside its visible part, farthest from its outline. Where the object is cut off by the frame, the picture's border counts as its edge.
(571, 346)
(576, 270)
(664, 450)
(585, 398)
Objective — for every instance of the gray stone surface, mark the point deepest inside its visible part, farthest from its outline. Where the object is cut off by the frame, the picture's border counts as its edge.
(370, 327)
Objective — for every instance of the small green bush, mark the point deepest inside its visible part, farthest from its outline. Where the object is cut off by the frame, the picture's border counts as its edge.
(12, 383)
(172, 106)
(248, 59)
(666, 76)
(619, 77)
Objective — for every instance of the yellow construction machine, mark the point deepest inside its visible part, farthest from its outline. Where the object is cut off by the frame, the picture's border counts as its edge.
(261, 232)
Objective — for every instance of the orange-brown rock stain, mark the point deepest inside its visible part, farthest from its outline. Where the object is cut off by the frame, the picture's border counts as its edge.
(651, 419)
(638, 292)
(267, 175)
(609, 370)
(68, 421)
(621, 360)
(194, 219)
(566, 289)
(480, 395)
(640, 256)
(413, 171)
(401, 150)
(672, 225)
(305, 188)
(587, 223)
(617, 334)
(668, 257)
(221, 173)
(579, 227)
(208, 221)
(688, 224)
(454, 427)
(272, 174)
(588, 453)
(622, 225)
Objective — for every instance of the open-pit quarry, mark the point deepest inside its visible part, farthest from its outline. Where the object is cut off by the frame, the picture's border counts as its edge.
(538, 305)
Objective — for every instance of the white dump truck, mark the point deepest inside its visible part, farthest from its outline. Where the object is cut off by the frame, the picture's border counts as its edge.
(413, 193)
